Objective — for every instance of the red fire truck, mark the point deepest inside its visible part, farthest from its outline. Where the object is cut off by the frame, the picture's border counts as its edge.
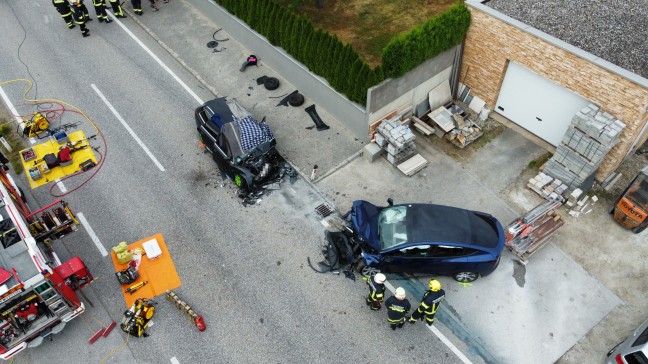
(37, 292)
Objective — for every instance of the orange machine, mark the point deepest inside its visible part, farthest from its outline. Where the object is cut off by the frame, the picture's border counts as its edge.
(631, 208)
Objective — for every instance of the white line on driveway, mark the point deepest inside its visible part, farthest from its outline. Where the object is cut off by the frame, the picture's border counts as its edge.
(438, 333)
(158, 60)
(92, 234)
(60, 185)
(128, 128)
(174, 360)
(13, 110)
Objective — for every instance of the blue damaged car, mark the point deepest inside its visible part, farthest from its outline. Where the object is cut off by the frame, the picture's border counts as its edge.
(427, 239)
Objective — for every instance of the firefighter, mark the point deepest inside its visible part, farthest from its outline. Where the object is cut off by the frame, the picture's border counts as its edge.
(137, 7)
(63, 7)
(429, 304)
(79, 18)
(376, 291)
(116, 8)
(100, 9)
(397, 308)
(153, 6)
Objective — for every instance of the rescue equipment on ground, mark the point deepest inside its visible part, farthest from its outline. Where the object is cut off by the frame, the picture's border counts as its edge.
(135, 287)
(184, 307)
(127, 276)
(137, 318)
(37, 126)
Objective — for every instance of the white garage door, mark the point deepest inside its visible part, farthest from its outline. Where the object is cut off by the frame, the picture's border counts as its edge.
(537, 104)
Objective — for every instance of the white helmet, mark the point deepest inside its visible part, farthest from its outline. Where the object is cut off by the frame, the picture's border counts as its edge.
(400, 293)
(380, 278)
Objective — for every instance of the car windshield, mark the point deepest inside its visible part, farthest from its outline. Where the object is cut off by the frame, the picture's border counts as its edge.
(392, 228)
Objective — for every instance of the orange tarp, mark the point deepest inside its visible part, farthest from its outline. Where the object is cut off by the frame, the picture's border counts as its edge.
(159, 272)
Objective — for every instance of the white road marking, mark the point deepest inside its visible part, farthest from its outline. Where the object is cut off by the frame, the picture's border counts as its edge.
(438, 333)
(128, 128)
(158, 60)
(14, 112)
(174, 360)
(61, 186)
(92, 234)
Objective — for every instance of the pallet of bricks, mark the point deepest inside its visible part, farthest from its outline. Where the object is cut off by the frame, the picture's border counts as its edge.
(531, 231)
(398, 141)
(588, 140)
(548, 187)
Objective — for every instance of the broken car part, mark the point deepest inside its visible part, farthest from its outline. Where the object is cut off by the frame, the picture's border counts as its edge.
(316, 119)
(250, 61)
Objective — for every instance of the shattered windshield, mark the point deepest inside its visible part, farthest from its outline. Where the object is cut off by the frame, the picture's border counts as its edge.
(392, 228)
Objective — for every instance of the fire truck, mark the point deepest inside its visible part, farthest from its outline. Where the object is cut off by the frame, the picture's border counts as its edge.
(38, 293)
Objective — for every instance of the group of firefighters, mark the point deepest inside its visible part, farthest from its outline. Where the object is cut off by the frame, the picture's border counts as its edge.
(398, 305)
(74, 12)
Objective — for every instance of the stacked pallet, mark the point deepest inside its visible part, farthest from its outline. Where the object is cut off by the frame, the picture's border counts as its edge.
(396, 139)
(548, 187)
(590, 137)
(528, 233)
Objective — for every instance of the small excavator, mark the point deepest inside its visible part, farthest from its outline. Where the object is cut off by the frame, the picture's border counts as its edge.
(631, 208)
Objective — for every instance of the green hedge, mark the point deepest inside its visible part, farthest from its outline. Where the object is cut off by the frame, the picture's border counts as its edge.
(325, 55)
(406, 51)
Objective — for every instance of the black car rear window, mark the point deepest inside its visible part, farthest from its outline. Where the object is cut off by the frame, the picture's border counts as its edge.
(436, 223)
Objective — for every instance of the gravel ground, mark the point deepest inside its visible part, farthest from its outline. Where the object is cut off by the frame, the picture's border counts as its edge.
(610, 29)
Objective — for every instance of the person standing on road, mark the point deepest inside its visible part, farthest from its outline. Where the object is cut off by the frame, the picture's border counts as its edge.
(153, 6)
(79, 18)
(376, 291)
(63, 8)
(116, 8)
(429, 304)
(137, 7)
(397, 308)
(100, 9)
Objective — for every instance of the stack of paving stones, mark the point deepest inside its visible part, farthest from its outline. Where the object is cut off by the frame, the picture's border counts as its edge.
(590, 137)
(549, 188)
(396, 139)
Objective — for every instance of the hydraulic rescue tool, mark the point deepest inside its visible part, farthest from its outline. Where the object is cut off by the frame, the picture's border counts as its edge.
(184, 307)
(137, 318)
(37, 126)
(132, 289)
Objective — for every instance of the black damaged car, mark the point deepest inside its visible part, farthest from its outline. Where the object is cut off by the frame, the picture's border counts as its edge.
(243, 147)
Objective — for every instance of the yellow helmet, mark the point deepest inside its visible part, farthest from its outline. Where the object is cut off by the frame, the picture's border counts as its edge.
(435, 285)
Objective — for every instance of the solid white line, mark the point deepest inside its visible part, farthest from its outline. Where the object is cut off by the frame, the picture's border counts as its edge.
(13, 110)
(174, 360)
(438, 333)
(128, 128)
(92, 234)
(61, 186)
(159, 61)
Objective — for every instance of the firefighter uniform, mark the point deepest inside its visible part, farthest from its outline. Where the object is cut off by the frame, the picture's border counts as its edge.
(116, 8)
(63, 8)
(84, 9)
(397, 307)
(80, 19)
(429, 304)
(376, 291)
(100, 9)
(137, 7)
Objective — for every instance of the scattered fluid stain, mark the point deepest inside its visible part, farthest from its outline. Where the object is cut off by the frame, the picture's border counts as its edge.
(519, 271)
(261, 320)
(278, 262)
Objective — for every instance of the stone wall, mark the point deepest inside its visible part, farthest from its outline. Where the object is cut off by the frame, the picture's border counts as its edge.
(491, 43)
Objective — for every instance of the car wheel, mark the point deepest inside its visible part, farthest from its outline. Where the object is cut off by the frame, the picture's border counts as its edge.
(271, 83)
(465, 277)
(240, 182)
(296, 99)
(367, 271)
(637, 230)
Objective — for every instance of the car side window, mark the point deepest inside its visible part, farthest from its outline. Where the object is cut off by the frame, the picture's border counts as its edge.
(413, 251)
(446, 251)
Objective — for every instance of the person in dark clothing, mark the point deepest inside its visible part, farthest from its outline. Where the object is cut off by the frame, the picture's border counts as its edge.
(429, 304)
(376, 291)
(137, 7)
(117, 9)
(100, 9)
(79, 18)
(63, 8)
(397, 308)
(153, 6)
(84, 9)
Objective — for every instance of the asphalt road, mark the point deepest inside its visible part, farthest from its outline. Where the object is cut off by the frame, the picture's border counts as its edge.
(242, 268)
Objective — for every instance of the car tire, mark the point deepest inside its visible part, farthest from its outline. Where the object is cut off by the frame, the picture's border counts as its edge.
(367, 271)
(465, 277)
(271, 83)
(637, 230)
(240, 182)
(296, 99)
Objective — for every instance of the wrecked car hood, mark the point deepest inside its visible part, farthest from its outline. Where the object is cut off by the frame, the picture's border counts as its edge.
(364, 216)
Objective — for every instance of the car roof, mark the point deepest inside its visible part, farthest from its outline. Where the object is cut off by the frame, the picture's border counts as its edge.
(439, 224)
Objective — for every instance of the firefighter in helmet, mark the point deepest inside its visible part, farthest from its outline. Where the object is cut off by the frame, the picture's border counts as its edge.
(397, 307)
(100, 9)
(63, 8)
(376, 291)
(429, 304)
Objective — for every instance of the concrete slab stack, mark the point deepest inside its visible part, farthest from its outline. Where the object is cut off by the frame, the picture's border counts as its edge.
(590, 137)
(396, 139)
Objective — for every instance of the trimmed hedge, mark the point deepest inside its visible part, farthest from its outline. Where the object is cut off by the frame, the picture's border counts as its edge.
(325, 55)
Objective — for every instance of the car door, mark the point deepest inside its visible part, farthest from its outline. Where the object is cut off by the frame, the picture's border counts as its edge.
(406, 259)
(447, 259)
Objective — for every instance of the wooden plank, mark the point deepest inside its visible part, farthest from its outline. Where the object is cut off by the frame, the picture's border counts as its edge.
(422, 129)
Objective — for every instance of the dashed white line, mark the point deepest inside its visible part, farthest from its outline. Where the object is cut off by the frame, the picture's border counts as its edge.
(61, 186)
(438, 333)
(128, 128)
(158, 60)
(174, 360)
(92, 234)
(13, 110)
